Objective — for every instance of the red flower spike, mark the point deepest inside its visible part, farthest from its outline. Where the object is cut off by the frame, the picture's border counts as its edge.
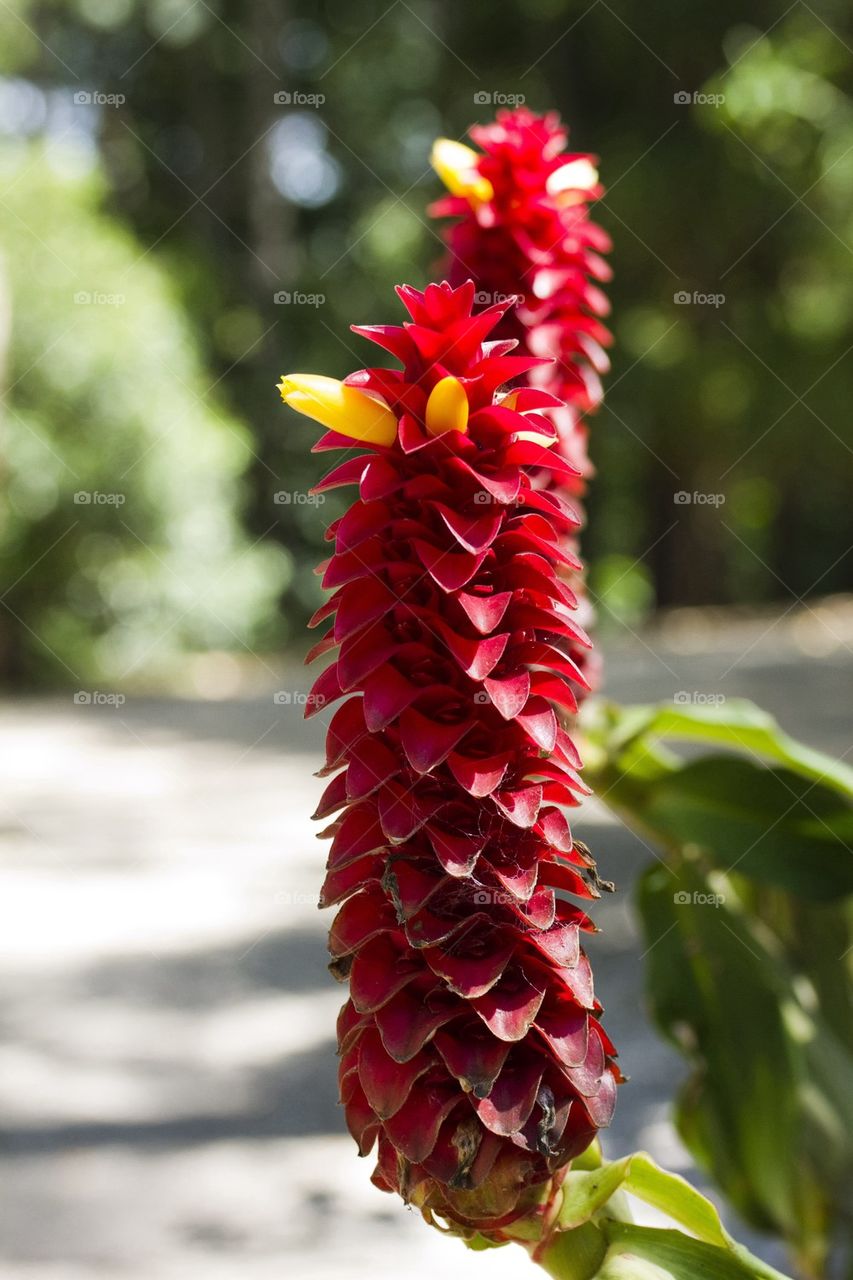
(470, 1047)
(521, 226)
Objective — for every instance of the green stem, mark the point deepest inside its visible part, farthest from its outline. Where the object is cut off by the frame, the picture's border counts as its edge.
(573, 1255)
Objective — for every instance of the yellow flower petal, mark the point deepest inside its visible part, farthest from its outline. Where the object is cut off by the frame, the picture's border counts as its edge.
(347, 410)
(456, 165)
(447, 407)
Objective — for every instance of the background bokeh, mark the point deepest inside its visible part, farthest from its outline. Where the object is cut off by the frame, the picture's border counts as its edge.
(199, 196)
(196, 196)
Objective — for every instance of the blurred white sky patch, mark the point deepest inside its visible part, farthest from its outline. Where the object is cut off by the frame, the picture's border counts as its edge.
(23, 106)
(300, 166)
(68, 125)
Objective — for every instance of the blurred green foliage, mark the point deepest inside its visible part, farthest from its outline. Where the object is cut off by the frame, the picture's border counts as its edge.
(748, 921)
(269, 149)
(120, 535)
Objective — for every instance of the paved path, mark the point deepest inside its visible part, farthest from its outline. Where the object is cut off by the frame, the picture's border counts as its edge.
(167, 1092)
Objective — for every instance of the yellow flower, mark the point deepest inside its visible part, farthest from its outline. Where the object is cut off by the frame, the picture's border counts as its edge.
(447, 407)
(347, 410)
(456, 165)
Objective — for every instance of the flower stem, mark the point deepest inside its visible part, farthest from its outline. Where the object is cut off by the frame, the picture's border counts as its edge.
(572, 1255)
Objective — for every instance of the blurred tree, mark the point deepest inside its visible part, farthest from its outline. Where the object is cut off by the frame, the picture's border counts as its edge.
(120, 536)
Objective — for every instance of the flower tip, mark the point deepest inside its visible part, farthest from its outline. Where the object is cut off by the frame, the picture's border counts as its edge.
(456, 165)
(572, 179)
(341, 408)
(447, 407)
(511, 401)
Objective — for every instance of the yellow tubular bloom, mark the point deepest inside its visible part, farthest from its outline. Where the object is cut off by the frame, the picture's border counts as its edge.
(456, 165)
(341, 408)
(447, 407)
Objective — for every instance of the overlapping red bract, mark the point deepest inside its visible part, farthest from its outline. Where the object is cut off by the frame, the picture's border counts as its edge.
(543, 245)
(471, 1048)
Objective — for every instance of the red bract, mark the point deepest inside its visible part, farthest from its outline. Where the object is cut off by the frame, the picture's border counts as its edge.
(523, 227)
(471, 1052)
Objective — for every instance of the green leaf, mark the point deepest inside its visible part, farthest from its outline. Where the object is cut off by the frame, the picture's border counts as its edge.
(608, 1248)
(736, 724)
(770, 1098)
(747, 926)
(675, 1196)
(593, 1235)
(585, 1193)
(771, 824)
(648, 1253)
